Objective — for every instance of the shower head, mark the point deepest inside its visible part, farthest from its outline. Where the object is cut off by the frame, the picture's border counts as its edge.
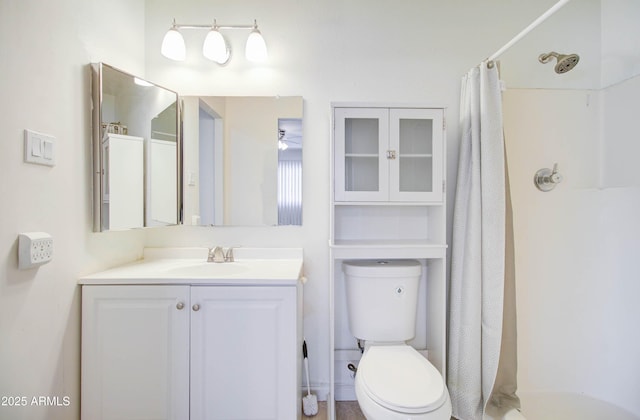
(565, 62)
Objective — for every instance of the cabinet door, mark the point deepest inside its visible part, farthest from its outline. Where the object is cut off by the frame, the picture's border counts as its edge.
(361, 144)
(243, 353)
(135, 352)
(124, 183)
(415, 170)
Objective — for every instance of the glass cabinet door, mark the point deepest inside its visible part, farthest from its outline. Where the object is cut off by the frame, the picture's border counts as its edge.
(360, 162)
(415, 169)
(388, 154)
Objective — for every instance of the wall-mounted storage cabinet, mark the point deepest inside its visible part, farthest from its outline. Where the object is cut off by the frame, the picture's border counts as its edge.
(388, 202)
(388, 154)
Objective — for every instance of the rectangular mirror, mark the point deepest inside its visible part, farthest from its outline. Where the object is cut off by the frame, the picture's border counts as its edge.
(136, 152)
(242, 160)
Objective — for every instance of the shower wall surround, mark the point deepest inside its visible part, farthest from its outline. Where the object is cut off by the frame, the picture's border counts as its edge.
(576, 298)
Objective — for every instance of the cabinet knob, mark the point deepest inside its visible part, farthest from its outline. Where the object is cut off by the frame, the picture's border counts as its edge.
(196, 307)
(180, 305)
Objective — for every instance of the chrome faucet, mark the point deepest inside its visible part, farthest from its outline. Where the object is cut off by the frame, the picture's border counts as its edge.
(228, 256)
(217, 255)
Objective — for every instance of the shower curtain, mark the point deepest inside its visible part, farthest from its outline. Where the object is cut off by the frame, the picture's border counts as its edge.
(482, 352)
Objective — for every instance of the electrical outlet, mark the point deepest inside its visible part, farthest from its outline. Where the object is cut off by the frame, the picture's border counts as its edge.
(34, 249)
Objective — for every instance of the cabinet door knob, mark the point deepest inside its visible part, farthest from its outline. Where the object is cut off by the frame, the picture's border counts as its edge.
(196, 307)
(180, 305)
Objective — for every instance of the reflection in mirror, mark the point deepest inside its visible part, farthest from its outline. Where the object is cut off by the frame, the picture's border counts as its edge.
(290, 171)
(136, 151)
(242, 160)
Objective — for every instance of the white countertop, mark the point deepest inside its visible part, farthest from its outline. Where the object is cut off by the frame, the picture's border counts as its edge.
(189, 266)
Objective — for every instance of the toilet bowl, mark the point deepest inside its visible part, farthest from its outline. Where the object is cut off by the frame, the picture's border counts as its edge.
(393, 380)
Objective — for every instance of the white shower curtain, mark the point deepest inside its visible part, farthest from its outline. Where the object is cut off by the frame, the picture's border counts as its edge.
(482, 383)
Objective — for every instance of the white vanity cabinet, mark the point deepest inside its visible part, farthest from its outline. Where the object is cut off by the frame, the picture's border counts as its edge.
(243, 353)
(388, 154)
(198, 352)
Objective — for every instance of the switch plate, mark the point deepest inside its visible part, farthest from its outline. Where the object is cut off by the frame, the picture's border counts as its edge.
(39, 148)
(34, 249)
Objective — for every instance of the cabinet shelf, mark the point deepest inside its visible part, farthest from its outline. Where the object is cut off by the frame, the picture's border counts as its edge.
(416, 155)
(387, 248)
(385, 204)
(361, 155)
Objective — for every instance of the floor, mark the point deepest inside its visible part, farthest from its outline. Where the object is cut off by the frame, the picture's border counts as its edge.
(345, 410)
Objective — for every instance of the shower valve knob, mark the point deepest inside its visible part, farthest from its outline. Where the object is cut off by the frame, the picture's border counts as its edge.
(555, 178)
(547, 179)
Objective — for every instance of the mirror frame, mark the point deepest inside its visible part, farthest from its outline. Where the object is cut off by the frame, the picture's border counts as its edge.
(98, 169)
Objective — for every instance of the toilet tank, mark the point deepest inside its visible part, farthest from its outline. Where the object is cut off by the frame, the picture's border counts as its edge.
(382, 298)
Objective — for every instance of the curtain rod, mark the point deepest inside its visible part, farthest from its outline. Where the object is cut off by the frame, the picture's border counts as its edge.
(528, 29)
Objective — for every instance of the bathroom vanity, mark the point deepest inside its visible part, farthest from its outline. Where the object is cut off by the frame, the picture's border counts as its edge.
(175, 337)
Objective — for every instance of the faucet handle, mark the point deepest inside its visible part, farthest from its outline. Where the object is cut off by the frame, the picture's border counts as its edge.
(228, 256)
(216, 255)
(555, 176)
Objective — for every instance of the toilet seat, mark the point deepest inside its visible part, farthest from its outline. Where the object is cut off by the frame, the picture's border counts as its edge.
(399, 378)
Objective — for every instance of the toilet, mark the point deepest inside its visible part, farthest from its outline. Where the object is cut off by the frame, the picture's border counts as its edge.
(393, 380)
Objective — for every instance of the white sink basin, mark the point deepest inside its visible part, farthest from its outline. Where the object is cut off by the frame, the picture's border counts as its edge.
(209, 269)
(253, 266)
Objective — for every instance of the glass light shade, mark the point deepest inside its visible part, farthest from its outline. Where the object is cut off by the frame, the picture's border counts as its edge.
(215, 47)
(173, 45)
(256, 49)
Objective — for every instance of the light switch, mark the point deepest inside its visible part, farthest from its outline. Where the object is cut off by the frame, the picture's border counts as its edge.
(39, 148)
(36, 147)
(48, 149)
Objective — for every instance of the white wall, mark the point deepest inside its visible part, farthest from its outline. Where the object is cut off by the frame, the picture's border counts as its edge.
(621, 139)
(45, 48)
(620, 41)
(576, 246)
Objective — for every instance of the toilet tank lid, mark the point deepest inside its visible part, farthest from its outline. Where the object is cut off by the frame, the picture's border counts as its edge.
(382, 268)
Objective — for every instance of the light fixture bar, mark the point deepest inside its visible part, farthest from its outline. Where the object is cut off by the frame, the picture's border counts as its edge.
(215, 47)
(215, 25)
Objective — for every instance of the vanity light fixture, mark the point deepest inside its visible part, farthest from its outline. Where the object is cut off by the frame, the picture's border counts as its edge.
(215, 46)
(173, 44)
(256, 49)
